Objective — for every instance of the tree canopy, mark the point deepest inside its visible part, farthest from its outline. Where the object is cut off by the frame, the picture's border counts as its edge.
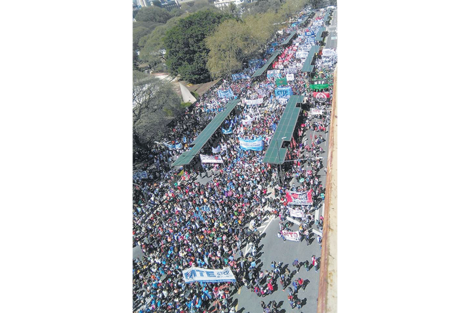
(153, 14)
(154, 103)
(186, 51)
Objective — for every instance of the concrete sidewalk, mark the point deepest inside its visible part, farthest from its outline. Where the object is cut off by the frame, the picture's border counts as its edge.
(327, 292)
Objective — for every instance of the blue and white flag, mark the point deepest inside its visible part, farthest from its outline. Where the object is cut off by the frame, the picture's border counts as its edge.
(227, 131)
(184, 139)
(216, 150)
(254, 144)
(171, 147)
(203, 275)
(179, 146)
(225, 93)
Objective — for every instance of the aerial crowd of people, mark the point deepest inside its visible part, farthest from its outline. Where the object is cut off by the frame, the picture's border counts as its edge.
(181, 221)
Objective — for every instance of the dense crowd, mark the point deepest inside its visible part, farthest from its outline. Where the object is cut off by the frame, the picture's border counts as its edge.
(180, 223)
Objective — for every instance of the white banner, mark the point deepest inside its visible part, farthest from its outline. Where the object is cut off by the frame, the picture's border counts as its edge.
(216, 150)
(211, 159)
(290, 77)
(316, 111)
(296, 212)
(203, 275)
(291, 235)
(256, 101)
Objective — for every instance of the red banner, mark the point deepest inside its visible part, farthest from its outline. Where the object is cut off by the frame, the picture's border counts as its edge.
(299, 198)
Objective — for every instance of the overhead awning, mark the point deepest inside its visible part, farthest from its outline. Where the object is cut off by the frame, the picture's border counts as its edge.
(263, 69)
(308, 67)
(206, 134)
(288, 39)
(284, 131)
(319, 34)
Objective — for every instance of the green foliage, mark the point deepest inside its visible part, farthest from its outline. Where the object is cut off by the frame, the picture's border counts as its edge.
(195, 94)
(152, 43)
(237, 41)
(138, 33)
(153, 14)
(184, 105)
(186, 48)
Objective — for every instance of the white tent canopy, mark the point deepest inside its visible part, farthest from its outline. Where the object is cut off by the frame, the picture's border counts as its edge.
(187, 96)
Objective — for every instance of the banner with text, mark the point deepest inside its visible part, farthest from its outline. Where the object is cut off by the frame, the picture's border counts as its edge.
(255, 101)
(291, 235)
(203, 275)
(296, 212)
(225, 93)
(299, 198)
(273, 73)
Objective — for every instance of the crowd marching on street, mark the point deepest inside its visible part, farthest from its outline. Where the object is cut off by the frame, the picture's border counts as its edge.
(180, 222)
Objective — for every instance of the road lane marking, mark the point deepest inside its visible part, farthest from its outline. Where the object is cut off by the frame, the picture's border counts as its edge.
(271, 219)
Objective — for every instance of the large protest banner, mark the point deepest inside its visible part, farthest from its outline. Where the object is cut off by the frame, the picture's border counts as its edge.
(254, 144)
(299, 198)
(203, 275)
(290, 77)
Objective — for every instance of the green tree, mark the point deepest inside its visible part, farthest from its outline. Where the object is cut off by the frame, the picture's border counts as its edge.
(237, 41)
(186, 51)
(152, 43)
(153, 14)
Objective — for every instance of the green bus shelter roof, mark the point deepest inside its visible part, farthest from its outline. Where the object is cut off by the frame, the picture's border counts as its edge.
(263, 69)
(320, 31)
(275, 154)
(308, 67)
(288, 39)
(204, 136)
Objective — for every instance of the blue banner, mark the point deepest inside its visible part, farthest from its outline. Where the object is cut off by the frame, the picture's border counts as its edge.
(283, 92)
(225, 93)
(179, 146)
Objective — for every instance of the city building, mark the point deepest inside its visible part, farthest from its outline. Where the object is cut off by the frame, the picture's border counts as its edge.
(225, 3)
(170, 4)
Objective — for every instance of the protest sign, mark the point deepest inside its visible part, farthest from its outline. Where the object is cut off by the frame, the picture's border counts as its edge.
(291, 235)
(211, 159)
(202, 275)
(299, 198)
(254, 144)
